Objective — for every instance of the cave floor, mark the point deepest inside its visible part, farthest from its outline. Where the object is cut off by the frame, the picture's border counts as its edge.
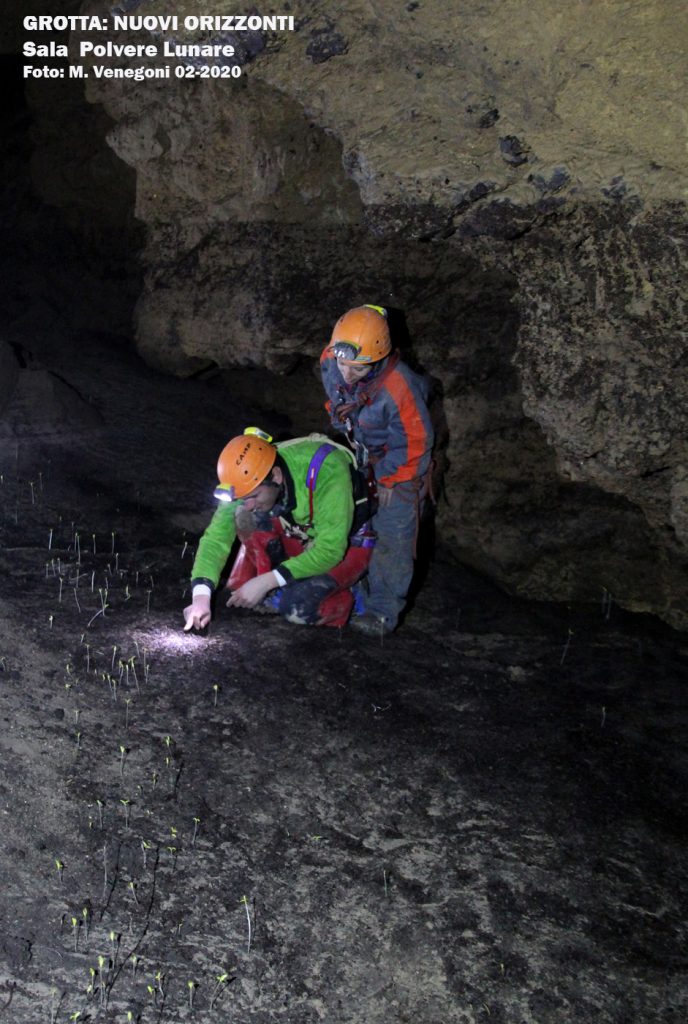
(481, 819)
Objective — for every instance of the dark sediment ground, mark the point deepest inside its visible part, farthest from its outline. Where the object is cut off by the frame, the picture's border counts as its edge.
(483, 819)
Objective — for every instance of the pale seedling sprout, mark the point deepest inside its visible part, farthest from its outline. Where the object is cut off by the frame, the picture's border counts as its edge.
(221, 981)
(145, 847)
(566, 647)
(125, 804)
(244, 900)
(101, 611)
(103, 979)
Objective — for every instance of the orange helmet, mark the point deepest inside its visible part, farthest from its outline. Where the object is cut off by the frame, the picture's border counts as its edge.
(244, 463)
(361, 335)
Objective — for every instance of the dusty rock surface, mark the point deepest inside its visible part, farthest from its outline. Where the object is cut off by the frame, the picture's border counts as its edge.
(480, 820)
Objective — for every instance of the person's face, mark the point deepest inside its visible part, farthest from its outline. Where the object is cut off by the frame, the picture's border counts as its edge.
(353, 372)
(264, 496)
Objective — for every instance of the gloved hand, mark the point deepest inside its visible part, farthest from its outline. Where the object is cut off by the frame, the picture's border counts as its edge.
(253, 591)
(197, 615)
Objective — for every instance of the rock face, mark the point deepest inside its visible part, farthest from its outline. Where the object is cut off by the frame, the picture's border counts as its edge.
(514, 184)
(604, 372)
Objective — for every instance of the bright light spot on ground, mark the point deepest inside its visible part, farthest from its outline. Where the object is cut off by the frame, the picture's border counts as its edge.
(167, 641)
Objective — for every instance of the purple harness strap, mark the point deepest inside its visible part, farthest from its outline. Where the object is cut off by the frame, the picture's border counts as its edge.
(363, 538)
(312, 474)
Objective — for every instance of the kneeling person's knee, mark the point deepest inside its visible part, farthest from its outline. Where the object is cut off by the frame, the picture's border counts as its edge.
(301, 599)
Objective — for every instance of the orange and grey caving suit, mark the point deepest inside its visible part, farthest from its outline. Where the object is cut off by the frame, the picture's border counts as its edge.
(308, 537)
(386, 418)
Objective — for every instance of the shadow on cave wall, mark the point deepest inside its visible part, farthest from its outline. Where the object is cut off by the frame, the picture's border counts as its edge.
(66, 212)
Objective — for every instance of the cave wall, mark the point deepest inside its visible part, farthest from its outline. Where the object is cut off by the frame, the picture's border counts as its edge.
(513, 179)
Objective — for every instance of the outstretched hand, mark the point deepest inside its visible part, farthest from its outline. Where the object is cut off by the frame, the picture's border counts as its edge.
(197, 615)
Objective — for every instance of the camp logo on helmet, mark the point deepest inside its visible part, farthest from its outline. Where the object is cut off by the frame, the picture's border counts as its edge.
(242, 454)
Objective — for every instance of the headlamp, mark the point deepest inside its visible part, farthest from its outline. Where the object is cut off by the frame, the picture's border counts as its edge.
(349, 351)
(224, 494)
(257, 432)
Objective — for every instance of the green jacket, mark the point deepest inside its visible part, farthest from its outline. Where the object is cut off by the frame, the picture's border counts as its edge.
(333, 511)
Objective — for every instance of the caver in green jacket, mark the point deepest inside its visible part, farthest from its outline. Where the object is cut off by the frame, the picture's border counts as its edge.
(333, 510)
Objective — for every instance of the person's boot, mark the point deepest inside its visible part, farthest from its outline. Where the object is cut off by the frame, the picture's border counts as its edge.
(369, 624)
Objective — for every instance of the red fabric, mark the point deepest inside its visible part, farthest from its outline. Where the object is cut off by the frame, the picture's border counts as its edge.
(351, 567)
(336, 608)
(253, 559)
(243, 569)
(414, 429)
